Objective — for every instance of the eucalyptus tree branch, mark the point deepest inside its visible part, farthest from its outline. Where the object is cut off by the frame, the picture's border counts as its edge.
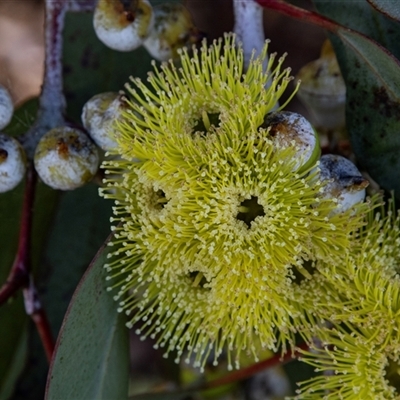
(81, 5)
(232, 377)
(51, 102)
(249, 27)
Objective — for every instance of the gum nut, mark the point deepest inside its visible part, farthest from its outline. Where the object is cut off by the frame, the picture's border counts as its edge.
(323, 92)
(173, 29)
(99, 115)
(123, 27)
(6, 107)
(12, 163)
(66, 158)
(288, 129)
(345, 181)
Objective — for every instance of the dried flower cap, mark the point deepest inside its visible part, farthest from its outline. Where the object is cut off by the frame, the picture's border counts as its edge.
(343, 181)
(289, 128)
(323, 90)
(216, 215)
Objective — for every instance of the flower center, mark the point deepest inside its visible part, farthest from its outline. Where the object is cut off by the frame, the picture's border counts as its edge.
(298, 276)
(393, 374)
(159, 200)
(198, 279)
(249, 210)
(207, 123)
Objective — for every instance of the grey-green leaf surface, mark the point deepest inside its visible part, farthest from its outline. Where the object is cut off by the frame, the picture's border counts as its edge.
(372, 77)
(79, 227)
(92, 353)
(391, 8)
(91, 68)
(363, 18)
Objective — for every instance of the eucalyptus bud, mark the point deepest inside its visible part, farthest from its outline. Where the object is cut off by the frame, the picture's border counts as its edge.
(323, 91)
(12, 163)
(66, 158)
(173, 29)
(6, 107)
(99, 115)
(122, 26)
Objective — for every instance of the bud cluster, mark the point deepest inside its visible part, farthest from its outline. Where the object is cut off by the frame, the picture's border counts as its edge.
(162, 29)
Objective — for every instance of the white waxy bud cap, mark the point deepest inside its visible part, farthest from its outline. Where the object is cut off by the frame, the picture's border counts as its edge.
(345, 181)
(6, 107)
(12, 163)
(173, 29)
(66, 158)
(323, 91)
(122, 27)
(291, 129)
(99, 115)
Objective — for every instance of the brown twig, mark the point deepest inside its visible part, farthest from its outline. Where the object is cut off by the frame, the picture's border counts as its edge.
(233, 376)
(19, 273)
(255, 368)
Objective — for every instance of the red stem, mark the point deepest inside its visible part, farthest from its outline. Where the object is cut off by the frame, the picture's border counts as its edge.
(19, 276)
(299, 13)
(255, 368)
(19, 273)
(43, 327)
(35, 310)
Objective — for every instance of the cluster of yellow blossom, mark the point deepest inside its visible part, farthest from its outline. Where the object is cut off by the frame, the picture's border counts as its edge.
(224, 236)
(359, 348)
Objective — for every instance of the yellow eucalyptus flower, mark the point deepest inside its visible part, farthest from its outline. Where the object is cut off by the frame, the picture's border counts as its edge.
(361, 298)
(213, 216)
(356, 364)
(364, 285)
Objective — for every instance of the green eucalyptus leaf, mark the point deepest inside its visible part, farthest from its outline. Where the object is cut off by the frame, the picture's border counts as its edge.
(80, 226)
(16, 363)
(372, 77)
(363, 18)
(390, 8)
(92, 356)
(91, 68)
(23, 118)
